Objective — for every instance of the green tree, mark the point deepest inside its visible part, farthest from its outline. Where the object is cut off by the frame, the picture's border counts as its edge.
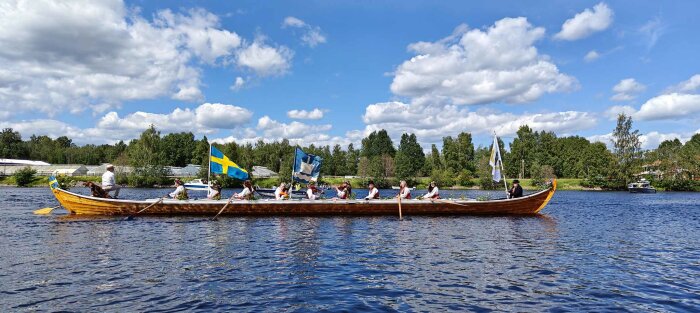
(178, 148)
(351, 159)
(627, 147)
(11, 145)
(435, 157)
(409, 157)
(24, 176)
(147, 157)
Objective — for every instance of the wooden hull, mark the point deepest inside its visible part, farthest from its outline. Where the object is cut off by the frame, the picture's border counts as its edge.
(80, 204)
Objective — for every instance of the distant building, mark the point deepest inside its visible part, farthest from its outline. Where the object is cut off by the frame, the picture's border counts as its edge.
(263, 172)
(191, 170)
(46, 170)
(101, 169)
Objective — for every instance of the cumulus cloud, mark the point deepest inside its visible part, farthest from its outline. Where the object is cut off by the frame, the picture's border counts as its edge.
(669, 106)
(481, 66)
(614, 111)
(431, 123)
(314, 114)
(627, 89)
(265, 60)
(586, 23)
(92, 55)
(222, 116)
(312, 35)
(591, 56)
(650, 140)
(690, 85)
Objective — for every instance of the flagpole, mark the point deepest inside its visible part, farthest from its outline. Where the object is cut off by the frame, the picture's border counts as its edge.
(209, 172)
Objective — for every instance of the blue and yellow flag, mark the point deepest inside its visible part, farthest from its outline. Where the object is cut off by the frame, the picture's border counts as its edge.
(220, 164)
(53, 183)
(306, 166)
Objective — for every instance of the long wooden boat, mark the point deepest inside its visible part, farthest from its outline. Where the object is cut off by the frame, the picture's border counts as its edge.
(81, 204)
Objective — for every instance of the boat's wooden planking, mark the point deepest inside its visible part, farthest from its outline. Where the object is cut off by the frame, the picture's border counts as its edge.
(531, 204)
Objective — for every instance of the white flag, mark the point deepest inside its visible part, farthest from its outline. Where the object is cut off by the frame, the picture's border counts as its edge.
(495, 161)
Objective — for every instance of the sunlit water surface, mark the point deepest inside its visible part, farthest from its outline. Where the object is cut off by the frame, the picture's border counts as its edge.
(588, 251)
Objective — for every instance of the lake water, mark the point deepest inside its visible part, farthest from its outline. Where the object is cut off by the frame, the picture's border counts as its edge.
(588, 251)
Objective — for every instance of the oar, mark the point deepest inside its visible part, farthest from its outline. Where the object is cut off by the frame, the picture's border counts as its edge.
(224, 208)
(46, 211)
(144, 209)
(448, 201)
(400, 215)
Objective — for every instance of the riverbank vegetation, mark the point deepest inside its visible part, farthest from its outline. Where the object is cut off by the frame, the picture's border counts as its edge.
(535, 156)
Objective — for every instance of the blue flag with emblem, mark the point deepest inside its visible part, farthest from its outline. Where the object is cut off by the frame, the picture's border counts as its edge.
(306, 167)
(220, 164)
(53, 183)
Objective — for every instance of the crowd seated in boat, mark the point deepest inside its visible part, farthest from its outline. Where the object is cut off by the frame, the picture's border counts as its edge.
(516, 191)
(404, 191)
(282, 192)
(344, 191)
(433, 191)
(246, 193)
(312, 191)
(180, 192)
(215, 191)
(373, 191)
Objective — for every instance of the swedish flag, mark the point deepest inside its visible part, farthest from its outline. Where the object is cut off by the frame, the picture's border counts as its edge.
(220, 164)
(53, 183)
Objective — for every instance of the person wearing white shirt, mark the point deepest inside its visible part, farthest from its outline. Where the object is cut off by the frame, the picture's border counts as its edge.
(109, 182)
(344, 191)
(281, 192)
(404, 192)
(180, 192)
(433, 191)
(311, 191)
(373, 191)
(247, 192)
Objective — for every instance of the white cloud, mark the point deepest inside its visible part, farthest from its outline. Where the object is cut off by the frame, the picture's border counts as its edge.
(431, 123)
(650, 140)
(652, 31)
(669, 106)
(312, 34)
(614, 111)
(591, 56)
(92, 55)
(314, 114)
(222, 116)
(586, 23)
(627, 89)
(269, 130)
(475, 66)
(690, 85)
(238, 84)
(265, 60)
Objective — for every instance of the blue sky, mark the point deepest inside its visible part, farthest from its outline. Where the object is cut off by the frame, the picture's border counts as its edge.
(328, 72)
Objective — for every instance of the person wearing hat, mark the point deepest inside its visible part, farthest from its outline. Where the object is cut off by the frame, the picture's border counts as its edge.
(373, 192)
(281, 192)
(180, 192)
(516, 191)
(215, 191)
(109, 182)
(311, 191)
(433, 191)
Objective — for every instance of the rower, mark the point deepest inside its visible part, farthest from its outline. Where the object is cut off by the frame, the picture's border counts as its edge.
(281, 192)
(344, 191)
(180, 192)
(433, 192)
(404, 191)
(516, 191)
(373, 191)
(311, 191)
(247, 192)
(215, 191)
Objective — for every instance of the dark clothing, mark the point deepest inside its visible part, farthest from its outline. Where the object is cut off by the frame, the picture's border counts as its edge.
(515, 192)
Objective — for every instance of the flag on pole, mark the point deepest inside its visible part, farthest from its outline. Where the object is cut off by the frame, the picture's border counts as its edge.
(220, 164)
(306, 167)
(495, 160)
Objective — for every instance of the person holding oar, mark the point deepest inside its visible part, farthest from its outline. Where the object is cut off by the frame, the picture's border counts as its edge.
(404, 191)
(433, 192)
(180, 192)
(246, 193)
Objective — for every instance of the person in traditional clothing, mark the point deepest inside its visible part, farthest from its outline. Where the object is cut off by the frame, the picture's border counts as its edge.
(516, 191)
(373, 191)
(180, 192)
(433, 192)
(344, 191)
(311, 191)
(282, 192)
(108, 181)
(404, 191)
(215, 191)
(247, 192)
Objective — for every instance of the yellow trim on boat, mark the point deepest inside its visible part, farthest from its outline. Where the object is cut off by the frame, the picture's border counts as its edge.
(549, 196)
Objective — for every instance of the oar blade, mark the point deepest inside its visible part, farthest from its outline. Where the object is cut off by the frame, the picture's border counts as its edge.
(44, 211)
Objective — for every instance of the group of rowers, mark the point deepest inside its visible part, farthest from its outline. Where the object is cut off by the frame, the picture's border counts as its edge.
(344, 191)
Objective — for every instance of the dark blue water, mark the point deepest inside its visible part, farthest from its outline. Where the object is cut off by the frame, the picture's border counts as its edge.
(589, 251)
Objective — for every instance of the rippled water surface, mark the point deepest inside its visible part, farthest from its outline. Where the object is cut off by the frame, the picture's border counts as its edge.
(588, 251)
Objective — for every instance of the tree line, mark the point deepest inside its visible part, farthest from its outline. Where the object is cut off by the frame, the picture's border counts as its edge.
(532, 154)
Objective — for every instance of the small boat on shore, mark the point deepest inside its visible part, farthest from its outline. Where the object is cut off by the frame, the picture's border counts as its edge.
(88, 205)
(641, 186)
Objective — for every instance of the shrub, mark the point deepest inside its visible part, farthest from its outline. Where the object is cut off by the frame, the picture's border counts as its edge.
(443, 178)
(24, 176)
(465, 178)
